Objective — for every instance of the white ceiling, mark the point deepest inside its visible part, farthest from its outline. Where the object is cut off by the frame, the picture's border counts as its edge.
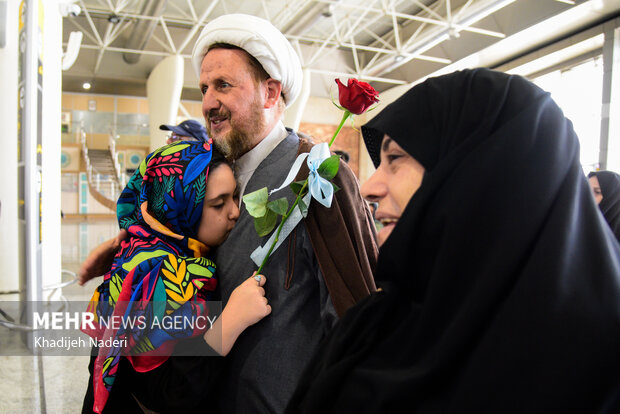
(385, 42)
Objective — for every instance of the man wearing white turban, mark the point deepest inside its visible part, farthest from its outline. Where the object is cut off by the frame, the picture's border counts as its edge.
(248, 73)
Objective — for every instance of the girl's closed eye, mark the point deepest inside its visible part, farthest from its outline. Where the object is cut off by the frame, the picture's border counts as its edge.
(218, 216)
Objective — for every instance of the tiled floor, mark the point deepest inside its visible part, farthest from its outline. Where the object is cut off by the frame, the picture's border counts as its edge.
(55, 384)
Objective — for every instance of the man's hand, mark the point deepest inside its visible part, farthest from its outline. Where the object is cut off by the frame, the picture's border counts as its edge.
(100, 259)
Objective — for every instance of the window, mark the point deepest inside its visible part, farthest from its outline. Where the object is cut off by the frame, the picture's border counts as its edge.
(578, 91)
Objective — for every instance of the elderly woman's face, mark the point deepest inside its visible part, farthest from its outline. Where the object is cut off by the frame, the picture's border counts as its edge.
(596, 189)
(397, 178)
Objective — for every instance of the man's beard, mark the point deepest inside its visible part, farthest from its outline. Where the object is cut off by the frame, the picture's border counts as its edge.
(243, 134)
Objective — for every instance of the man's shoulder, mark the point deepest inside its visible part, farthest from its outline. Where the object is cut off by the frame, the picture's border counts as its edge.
(292, 134)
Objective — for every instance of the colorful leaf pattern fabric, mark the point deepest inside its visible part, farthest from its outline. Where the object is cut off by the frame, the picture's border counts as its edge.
(160, 269)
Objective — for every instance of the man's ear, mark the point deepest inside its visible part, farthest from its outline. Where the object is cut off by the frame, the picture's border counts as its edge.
(273, 89)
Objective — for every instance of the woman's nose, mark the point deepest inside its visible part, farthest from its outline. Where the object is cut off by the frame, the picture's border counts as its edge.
(375, 188)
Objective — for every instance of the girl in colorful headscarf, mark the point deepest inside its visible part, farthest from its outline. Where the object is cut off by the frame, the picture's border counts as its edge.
(161, 271)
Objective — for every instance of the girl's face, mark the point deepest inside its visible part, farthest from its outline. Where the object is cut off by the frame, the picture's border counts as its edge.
(220, 211)
(397, 178)
(596, 189)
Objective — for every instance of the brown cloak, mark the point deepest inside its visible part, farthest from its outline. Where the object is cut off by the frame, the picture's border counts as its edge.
(343, 238)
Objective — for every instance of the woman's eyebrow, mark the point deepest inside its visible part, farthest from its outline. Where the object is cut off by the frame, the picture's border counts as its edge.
(386, 144)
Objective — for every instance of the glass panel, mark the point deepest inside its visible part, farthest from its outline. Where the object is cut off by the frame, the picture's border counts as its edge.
(578, 91)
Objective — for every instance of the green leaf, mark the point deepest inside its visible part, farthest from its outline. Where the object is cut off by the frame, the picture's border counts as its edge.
(144, 345)
(256, 202)
(329, 168)
(279, 206)
(199, 270)
(336, 188)
(200, 187)
(173, 149)
(303, 208)
(115, 286)
(264, 225)
(297, 186)
(143, 167)
(169, 266)
(172, 287)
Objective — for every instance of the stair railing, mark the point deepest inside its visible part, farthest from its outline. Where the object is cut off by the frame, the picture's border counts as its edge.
(92, 178)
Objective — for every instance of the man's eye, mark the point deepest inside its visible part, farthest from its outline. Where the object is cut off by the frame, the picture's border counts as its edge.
(203, 90)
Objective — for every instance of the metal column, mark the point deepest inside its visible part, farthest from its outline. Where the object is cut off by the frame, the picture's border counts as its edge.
(609, 155)
(29, 129)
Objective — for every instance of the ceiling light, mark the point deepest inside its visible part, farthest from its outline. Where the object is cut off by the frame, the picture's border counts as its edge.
(452, 32)
(398, 58)
(86, 85)
(114, 19)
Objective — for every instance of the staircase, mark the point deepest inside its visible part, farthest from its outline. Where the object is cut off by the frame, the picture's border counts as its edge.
(102, 162)
(105, 180)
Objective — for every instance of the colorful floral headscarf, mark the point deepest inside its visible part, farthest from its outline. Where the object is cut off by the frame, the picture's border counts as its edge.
(160, 269)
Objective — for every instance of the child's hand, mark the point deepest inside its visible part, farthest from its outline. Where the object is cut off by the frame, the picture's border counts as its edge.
(247, 303)
(246, 306)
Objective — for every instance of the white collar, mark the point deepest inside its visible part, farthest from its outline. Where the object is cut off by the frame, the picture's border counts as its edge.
(249, 162)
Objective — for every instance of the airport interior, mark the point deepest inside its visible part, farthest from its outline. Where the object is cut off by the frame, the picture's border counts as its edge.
(87, 83)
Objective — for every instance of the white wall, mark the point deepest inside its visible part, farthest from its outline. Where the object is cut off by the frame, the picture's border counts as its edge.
(293, 114)
(163, 90)
(321, 111)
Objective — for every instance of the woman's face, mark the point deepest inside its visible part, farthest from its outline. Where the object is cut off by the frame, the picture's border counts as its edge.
(596, 189)
(397, 178)
(220, 210)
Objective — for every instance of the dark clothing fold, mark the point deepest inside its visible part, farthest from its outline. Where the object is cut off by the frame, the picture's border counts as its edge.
(501, 286)
(182, 384)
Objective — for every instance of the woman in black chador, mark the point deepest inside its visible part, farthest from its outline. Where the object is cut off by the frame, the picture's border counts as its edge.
(501, 286)
(606, 190)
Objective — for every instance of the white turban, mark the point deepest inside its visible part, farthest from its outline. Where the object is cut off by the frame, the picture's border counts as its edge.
(260, 39)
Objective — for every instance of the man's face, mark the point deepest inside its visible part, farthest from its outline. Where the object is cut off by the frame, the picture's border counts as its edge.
(232, 102)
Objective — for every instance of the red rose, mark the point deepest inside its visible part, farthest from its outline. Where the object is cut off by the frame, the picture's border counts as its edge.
(357, 96)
